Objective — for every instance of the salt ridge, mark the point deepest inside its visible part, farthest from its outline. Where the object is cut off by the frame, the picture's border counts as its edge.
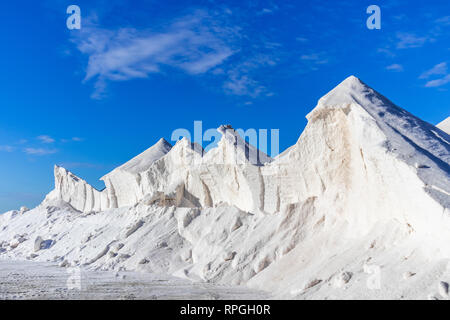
(367, 183)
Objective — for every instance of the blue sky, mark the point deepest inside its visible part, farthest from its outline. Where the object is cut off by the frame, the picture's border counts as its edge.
(91, 99)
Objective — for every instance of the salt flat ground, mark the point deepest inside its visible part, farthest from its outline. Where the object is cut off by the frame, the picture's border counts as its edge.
(40, 280)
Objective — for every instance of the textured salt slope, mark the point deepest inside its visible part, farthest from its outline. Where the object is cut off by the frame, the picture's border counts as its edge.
(36, 281)
(143, 161)
(409, 138)
(155, 246)
(123, 183)
(366, 186)
(445, 125)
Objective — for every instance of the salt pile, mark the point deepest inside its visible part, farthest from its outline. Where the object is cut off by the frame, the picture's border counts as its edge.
(361, 200)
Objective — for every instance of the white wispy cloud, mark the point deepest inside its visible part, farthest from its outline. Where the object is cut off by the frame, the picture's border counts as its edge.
(7, 148)
(240, 77)
(395, 67)
(269, 10)
(75, 139)
(32, 149)
(194, 44)
(312, 61)
(39, 151)
(301, 39)
(410, 40)
(317, 58)
(430, 32)
(439, 69)
(208, 45)
(438, 82)
(242, 85)
(45, 139)
(387, 51)
(444, 21)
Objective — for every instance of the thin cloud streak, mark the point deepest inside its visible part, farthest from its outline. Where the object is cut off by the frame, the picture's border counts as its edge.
(439, 69)
(46, 139)
(395, 67)
(438, 82)
(39, 151)
(409, 40)
(7, 148)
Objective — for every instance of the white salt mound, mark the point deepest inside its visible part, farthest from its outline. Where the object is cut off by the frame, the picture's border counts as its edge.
(365, 189)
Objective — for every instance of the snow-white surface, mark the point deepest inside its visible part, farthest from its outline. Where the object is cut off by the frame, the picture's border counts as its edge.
(43, 280)
(143, 161)
(77, 193)
(364, 192)
(445, 125)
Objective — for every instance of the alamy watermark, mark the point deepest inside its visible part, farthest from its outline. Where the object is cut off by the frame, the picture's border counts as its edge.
(374, 280)
(374, 20)
(74, 20)
(74, 280)
(247, 146)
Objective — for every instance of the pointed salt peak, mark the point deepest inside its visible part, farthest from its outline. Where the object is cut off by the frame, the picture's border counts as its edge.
(350, 84)
(183, 141)
(145, 159)
(350, 91)
(163, 142)
(447, 120)
(58, 168)
(186, 143)
(345, 92)
(224, 128)
(231, 136)
(162, 145)
(445, 125)
(228, 133)
(58, 171)
(352, 80)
